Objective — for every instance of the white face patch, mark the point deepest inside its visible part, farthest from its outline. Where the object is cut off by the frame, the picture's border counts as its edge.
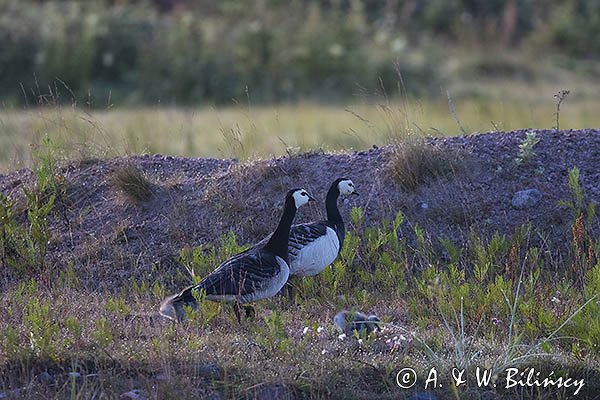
(301, 197)
(346, 187)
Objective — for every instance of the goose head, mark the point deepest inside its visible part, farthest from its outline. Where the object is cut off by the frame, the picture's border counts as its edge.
(299, 197)
(346, 187)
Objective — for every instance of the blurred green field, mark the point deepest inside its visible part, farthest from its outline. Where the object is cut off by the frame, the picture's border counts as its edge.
(247, 132)
(285, 77)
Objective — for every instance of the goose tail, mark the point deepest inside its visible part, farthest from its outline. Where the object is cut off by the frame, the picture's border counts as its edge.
(172, 307)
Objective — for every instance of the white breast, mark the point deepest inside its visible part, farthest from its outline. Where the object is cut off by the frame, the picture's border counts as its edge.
(270, 287)
(315, 256)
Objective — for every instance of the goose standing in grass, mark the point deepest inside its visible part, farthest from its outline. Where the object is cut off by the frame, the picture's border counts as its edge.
(255, 274)
(316, 245)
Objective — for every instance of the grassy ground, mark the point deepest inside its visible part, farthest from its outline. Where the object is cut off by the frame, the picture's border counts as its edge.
(248, 132)
(493, 306)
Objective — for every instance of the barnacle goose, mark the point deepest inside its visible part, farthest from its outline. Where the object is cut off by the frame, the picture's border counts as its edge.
(255, 274)
(313, 246)
(356, 322)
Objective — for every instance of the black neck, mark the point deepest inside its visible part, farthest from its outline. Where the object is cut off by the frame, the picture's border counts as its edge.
(278, 243)
(333, 214)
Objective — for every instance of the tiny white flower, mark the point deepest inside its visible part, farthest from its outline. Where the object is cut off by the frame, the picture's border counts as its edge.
(360, 341)
(305, 330)
(320, 329)
(323, 351)
(342, 336)
(395, 338)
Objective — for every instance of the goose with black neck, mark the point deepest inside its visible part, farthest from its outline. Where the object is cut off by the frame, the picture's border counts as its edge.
(255, 274)
(314, 246)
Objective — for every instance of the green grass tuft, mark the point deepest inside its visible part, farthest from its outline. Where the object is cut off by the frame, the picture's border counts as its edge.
(133, 184)
(414, 161)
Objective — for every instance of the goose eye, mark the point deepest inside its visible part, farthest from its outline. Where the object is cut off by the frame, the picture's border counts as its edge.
(303, 193)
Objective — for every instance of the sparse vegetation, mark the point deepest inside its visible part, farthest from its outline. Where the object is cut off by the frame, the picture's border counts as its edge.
(560, 97)
(526, 151)
(460, 312)
(268, 131)
(24, 246)
(132, 183)
(584, 244)
(414, 161)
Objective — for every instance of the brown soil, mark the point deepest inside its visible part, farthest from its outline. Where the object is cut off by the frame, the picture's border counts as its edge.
(111, 240)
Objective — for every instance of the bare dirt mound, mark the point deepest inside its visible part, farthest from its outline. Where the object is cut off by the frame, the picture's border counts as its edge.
(195, 201)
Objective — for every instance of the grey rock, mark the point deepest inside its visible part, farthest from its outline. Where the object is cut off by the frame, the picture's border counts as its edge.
(526, 198)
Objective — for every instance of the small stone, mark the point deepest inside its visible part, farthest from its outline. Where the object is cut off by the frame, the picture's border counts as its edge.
(526, 198)
(135, 394)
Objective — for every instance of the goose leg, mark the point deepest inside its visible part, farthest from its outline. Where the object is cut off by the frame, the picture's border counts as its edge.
(290, 289)
(236, 310)
(249, 311)
(290, 292)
